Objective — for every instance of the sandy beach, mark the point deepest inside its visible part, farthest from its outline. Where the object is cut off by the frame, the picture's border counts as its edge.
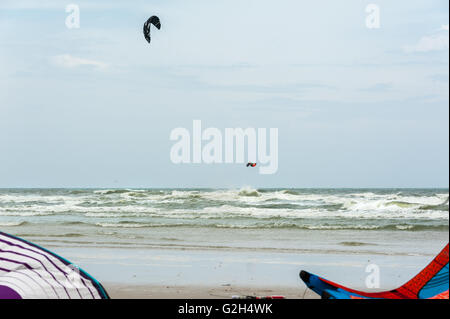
(122, 291)
(190, 244)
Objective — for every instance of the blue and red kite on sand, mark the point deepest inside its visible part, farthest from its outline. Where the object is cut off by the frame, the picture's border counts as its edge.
(431, 283)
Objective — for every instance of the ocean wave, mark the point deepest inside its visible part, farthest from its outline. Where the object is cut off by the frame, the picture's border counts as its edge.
(245, 195)
(45, 235)
(79, 192)
(13, 224)
(443, 206)
(338, 227)
(235, 208)
(272, 225)
(125, 224)
(249, 192)
(228, 211)
(112, 191)
(354, 243)
(117, 215)
(401, 204)
(23, 213)
(76, 226)
(290, 192)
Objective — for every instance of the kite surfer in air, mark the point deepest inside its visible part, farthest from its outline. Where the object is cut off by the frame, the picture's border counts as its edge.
(250, 164)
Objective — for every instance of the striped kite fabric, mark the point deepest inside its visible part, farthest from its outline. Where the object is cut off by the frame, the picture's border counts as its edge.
(431, 283)
(28, 271)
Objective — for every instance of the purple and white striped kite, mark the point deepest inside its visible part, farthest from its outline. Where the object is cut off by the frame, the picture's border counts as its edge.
(28, 271)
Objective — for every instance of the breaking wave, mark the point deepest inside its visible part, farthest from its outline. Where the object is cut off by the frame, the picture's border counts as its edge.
(244, 208)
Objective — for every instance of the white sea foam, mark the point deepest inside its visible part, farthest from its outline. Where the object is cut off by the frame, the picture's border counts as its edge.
(240, 208)
(11, 224)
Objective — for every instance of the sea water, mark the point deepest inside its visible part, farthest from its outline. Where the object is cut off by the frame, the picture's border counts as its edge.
(197, 236)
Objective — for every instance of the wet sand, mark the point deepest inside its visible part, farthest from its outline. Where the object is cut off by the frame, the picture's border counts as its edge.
(143, 273)
(122, 291)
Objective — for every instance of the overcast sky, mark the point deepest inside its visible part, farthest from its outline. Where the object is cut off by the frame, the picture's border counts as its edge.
(94, 106)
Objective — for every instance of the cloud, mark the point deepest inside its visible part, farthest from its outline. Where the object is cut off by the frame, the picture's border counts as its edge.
(435, 42)
(442, 78)
(69, 61)
(29, 4)
(379, 87)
